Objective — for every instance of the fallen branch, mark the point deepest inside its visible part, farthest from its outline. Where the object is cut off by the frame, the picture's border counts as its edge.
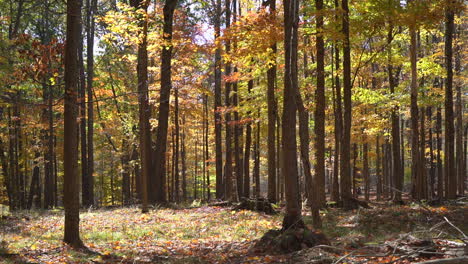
(460, 260)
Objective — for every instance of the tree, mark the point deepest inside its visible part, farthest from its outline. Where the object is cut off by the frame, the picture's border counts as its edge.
(217, 104)
(166, 85)
(143, 104)
(70, 159)
(293, 216)
(319, 114)
(449, 157)
(345, 170)
(271, 78)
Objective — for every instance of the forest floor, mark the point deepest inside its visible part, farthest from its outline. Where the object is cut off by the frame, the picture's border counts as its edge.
(385, 234)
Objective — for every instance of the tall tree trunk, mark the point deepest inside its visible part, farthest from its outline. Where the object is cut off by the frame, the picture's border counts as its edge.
(227, 102)
(392, 81)
(144, 109)
(70, 154)
(271, 102)
(449, 157)
(365, 172)
(378, 170)
(440, 171)
(415, 155)
(346, 140)
(82, 118)
(319, 114)
(92, 8)
(183, 157)
(256, 172)
(166, 71)
(207, 151)
(217, 106)
(248, 142)
(460, 159)
(177, 146)
(293, 217)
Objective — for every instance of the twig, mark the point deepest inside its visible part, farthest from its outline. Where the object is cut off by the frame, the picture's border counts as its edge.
(450, 223)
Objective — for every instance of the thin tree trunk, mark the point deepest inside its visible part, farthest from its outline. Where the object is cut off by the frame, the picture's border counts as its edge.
(378, 171)
(449, 158)
(346, 140)
(415, 155)
(227, 102)
(177, 146)
(217, 106)
(90, 77)
(272, 112)
(248, 142)
(256, 172)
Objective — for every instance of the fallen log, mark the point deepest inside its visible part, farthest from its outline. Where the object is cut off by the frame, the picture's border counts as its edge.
(258, 205)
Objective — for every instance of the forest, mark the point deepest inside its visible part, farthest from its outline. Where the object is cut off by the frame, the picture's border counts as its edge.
(233, 131)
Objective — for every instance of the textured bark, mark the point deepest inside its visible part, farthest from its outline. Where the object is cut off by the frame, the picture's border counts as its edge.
(392, 81)
(92, 9)
(183, 157)
(346, 139)
(271, 78)
(460, 158)
(228, 177)
(207, 150)
(293, 216)
(449, 155)
(319, 114)
(166, 85)
(217, 106)
(82, 122)
(338, 120)
(440, 171)
(70, 156)
(177, 147)
(144, 109)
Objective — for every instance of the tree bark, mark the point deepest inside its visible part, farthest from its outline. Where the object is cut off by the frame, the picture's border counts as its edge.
(144, 108)
(346, 140)
(319, 114)
(217, 106)
(166, 84)
(449, 157)
(271, 102)
(70, 156)
(293, 217)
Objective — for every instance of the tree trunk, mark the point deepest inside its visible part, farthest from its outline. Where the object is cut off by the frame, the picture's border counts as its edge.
(256, 169)
(166, 71)
(449, 158)
(70, 146)
(177, 146)
(217, 106)
(392, 81)
(92, 9)
(271, 102)
(378, 171)
(415, 155)
(144, 109)
(346, 140)
(460, 159)
(293, 217)
(183, 156)
(248, 142)
(227, 102)
(319, 114)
